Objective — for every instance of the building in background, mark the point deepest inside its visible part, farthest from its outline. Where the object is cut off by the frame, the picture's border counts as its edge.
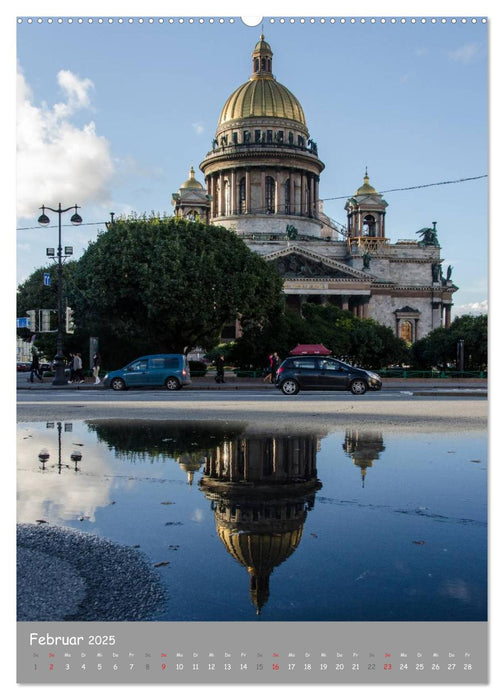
(262, 181)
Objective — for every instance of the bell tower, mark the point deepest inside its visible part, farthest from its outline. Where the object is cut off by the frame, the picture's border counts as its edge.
(366, 212)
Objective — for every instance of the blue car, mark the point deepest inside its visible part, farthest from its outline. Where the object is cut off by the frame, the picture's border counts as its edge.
(170, 371)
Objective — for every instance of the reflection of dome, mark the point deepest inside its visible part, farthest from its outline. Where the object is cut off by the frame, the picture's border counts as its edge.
(191, 463)
(260, 553)
(191, 183)
(262, 95)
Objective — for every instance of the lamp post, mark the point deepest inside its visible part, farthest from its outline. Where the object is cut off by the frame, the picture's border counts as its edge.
(43, 220)
(75, 456)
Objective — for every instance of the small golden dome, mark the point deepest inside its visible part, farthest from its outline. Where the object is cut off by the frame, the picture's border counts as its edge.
(366, 188)
(262, 97)
(263, 45)
(191, 183)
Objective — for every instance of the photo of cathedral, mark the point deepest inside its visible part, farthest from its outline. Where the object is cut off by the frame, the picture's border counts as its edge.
(261, 179)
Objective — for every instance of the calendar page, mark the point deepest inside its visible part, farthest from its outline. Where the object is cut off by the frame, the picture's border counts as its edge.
(252, 350)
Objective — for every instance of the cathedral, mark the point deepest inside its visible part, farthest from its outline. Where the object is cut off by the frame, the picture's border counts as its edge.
(262, 180)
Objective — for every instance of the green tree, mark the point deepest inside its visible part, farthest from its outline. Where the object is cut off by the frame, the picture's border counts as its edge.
(362, 342)
(167, 285)
(439, 348)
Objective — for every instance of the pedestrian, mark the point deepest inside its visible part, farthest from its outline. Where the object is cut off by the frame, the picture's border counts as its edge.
(35, 367)
(267, 372)
(78, 377)
(275, 364)
(71, 368)
(96, 367)
(219, 366)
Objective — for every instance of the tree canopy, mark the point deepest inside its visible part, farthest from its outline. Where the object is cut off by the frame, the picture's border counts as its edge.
(168, 285)
(439, 348)
(362, 342)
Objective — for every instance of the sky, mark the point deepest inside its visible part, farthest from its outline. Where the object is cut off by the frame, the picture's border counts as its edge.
(112, 115)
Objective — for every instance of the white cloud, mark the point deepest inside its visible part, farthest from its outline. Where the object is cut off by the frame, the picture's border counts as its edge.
(58, 161)
(465, 53)
(474, 309)
(198, 127)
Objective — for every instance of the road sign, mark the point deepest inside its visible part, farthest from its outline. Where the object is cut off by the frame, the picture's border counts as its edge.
(47, 279)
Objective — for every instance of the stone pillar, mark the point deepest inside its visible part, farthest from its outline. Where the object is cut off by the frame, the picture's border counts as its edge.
(365, 309)
(263, 192)
(233, 192)
(221, 194)
(292, 208)
(312, 211)
(447, 322)
(248, 193)
(344, 302)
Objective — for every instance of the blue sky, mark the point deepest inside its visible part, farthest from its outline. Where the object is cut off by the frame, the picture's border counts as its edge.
(112, 115)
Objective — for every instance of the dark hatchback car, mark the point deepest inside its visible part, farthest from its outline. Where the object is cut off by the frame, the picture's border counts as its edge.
(325, 373)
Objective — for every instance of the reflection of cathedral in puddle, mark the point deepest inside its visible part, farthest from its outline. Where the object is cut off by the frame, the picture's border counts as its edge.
(191, 463)
(364, 447)
(261, 488)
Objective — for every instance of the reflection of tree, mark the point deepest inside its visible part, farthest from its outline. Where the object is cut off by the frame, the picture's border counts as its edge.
(133, 440)
(261, 488)
(364, 447)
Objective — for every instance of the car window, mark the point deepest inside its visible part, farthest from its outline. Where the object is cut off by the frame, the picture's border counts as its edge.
(171, 362)
(304, 363)
(138, 366)
(157, 363)
(330, 365)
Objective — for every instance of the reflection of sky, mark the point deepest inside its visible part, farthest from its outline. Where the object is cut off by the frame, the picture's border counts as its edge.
(410, 543)
(64, 497)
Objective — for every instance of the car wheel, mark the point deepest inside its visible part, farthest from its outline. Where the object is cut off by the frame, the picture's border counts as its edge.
(172, 384)
(358, 387)
(118, 384)
(289, 387)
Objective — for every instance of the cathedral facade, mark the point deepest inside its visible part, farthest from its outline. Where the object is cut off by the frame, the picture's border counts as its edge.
(262, 181)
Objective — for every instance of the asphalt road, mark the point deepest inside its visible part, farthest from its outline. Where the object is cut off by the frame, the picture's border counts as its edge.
(400, 409)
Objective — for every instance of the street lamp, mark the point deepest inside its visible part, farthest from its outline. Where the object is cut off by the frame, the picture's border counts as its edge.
(75, 456)
(43, 220)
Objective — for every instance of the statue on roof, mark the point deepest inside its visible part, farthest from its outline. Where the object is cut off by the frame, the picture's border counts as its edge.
(428, 236)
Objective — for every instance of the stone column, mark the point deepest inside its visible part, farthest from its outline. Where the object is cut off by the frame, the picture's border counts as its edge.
(344, 302)
(248, 193)
(233, 193)
(447, 322)
(221, 193)
(263, 192)
(292, 208)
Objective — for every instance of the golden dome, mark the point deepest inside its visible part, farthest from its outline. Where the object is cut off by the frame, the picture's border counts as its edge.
(366, 188)
(191, 183)
(262, 95)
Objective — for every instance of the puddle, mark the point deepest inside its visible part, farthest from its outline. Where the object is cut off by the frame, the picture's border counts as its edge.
(238, 524)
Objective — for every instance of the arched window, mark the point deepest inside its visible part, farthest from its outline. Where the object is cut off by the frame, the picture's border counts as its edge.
(369, 227)
(287, 193)
(269, 195)
(406, 331)
(256, 65)
(241, 196)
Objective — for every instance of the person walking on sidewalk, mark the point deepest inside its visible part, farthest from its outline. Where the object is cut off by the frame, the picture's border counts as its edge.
(35, 367)
(78, 377)
(219, 366)
(275, 364)
(96, 367)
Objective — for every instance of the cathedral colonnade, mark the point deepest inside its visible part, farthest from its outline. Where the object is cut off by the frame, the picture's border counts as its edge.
(246, 190)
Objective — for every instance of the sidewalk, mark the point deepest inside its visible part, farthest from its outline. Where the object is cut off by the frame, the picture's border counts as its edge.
(439, 387)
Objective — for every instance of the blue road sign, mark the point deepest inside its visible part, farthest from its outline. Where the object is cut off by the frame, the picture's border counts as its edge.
(47, 279)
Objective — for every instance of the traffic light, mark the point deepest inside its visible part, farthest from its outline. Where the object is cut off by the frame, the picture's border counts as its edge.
(69, 320)
(32, 323)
